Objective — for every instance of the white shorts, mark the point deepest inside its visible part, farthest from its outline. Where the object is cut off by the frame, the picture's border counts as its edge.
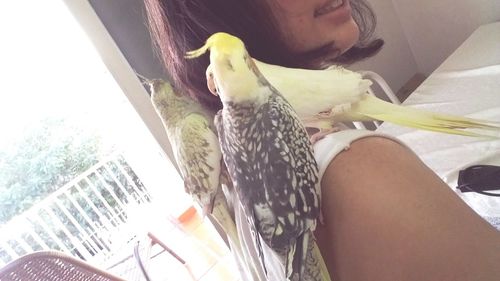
(325, 151)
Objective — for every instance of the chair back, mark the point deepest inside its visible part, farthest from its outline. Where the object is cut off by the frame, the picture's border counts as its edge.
(53, 266)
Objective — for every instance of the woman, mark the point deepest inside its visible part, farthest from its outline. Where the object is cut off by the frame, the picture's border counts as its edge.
(387, 216)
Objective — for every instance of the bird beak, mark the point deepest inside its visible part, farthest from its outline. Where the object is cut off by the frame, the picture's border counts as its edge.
(212, 87)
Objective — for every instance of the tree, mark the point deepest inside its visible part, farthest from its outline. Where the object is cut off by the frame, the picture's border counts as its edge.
(46, 157)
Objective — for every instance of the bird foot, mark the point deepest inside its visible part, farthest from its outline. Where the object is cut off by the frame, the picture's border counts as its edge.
(336, 110)
(322, 133)
(321, 219)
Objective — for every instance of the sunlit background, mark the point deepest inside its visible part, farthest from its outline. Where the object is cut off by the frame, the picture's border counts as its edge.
(49, 68)
(51, 74)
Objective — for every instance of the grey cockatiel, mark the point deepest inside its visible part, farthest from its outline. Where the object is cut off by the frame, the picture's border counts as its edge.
(269, 157)
(192, 134)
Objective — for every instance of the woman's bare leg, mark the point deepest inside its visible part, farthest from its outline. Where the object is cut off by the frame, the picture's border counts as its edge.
(389, 217)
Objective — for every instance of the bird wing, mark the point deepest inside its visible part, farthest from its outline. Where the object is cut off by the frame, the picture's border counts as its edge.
(199, 157)
(231, 148)
(269, 157)
(310, 92)
(289, 172)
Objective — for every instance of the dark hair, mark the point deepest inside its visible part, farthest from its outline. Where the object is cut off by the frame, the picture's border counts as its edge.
(178, 26)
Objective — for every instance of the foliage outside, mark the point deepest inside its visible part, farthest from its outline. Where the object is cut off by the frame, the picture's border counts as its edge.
(48, 155)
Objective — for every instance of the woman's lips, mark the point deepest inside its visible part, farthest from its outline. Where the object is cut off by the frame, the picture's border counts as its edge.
(329, 7)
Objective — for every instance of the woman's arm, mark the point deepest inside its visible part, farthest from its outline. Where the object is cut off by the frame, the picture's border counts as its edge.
(389, 217)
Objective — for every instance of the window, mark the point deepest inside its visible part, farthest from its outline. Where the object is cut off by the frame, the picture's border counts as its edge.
(75, 156)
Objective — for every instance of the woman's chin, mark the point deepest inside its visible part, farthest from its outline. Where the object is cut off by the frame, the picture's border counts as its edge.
(346, 36)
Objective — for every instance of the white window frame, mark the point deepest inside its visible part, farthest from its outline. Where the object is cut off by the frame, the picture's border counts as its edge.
(121, 70)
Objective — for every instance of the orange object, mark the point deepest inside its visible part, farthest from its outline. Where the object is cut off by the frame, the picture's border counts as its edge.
(187, 215)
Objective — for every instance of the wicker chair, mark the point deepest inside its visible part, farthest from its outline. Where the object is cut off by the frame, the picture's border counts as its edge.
(143, 254)
(53, 266)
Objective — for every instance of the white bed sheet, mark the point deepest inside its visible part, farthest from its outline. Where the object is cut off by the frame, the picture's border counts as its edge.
(468, 84)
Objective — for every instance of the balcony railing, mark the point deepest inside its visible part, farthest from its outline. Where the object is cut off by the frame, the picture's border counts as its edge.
(81, 218)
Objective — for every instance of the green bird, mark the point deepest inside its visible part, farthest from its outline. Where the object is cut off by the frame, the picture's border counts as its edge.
(197, 152)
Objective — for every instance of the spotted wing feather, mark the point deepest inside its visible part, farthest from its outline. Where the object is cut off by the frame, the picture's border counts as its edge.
(289, 172)
(199, 157)
(269, 157)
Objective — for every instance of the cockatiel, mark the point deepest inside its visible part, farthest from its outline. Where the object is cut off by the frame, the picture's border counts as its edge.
(323, 97)
(269, 156)
(192, 134)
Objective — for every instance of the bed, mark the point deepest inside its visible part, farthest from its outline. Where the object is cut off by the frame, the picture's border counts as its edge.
(467, 83)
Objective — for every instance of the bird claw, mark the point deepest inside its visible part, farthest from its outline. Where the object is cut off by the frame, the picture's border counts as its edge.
(322, 133)
(321, 219)
(340, 109)
(335, 111)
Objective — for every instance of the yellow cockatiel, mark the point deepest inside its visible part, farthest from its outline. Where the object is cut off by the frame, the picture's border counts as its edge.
(322, 98)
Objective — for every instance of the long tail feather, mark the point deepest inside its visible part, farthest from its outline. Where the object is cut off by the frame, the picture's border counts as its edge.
(296, 258)
(315, 266)
(325, 274)
(372, 108)
(222, 215)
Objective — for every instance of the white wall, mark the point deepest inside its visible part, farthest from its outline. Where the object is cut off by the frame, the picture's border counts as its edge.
(395, 62)
(435, 28)
(421, 34)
